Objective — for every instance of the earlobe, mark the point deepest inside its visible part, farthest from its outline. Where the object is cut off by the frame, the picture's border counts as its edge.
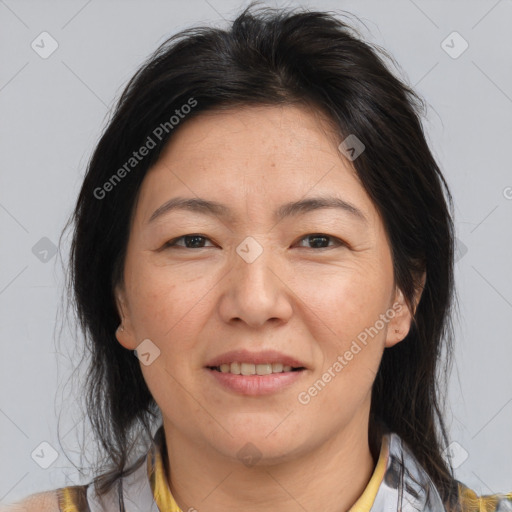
(122, 332)
(400, 324)
(123, 338)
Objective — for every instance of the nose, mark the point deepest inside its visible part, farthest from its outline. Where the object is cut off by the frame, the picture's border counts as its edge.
(256, 292)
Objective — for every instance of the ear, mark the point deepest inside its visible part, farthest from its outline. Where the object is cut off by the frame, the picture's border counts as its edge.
(124, 333)
(400, 324)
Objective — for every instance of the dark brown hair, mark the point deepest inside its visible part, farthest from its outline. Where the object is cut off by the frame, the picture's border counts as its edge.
(274, 57)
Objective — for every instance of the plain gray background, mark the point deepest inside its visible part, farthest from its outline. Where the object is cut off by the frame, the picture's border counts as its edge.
(54, 109)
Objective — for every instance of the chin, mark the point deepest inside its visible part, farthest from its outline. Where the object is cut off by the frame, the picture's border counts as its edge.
(254, 445)
(251, 453)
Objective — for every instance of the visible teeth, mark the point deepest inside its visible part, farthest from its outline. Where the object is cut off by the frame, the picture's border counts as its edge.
(277, 367)
(247, 369)
(254, 369)
(263, 369)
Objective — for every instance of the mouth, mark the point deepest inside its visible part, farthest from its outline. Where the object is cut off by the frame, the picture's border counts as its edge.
(239, 368)
(256, 373)
(255, 379)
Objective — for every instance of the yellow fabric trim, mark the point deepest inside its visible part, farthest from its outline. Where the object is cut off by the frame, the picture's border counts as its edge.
(72, 499)
(365, 501)
(157, 477)
(471, 502)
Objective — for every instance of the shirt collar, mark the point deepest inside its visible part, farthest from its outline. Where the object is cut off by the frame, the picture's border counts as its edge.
(397, 483)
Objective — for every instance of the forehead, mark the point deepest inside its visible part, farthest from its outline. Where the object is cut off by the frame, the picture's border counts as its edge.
(252, 156)
(256, 131)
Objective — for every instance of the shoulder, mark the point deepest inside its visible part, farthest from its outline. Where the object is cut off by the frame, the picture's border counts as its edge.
(63, 499)
(40, 502)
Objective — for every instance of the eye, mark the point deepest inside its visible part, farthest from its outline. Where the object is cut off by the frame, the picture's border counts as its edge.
(320, 238)
(195, 241)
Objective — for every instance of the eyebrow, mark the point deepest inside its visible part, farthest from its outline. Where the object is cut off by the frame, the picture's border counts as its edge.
(292, 209)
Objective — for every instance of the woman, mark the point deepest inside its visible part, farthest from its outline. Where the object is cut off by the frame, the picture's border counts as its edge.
(264, 226)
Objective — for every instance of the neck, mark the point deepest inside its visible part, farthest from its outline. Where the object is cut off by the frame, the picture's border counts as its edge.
(331, 478)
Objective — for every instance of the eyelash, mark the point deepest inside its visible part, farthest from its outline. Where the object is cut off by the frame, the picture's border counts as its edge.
(172, 243)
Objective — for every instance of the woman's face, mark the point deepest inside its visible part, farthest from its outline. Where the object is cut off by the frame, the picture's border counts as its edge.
(255, 280)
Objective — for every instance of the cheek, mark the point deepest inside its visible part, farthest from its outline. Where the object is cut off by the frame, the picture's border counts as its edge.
(166, 309)
(346, 307)
(347, 300)
(165, 301)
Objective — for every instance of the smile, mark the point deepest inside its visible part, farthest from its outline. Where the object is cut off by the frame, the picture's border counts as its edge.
(254, 369)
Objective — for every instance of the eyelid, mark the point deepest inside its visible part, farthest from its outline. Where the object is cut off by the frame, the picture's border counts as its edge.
(338, 242)
(172, 242)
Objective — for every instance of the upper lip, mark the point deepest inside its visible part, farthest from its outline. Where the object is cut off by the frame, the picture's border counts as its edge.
(262, 357)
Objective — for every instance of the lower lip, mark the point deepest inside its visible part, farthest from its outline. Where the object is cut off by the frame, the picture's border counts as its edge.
(256, 384)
